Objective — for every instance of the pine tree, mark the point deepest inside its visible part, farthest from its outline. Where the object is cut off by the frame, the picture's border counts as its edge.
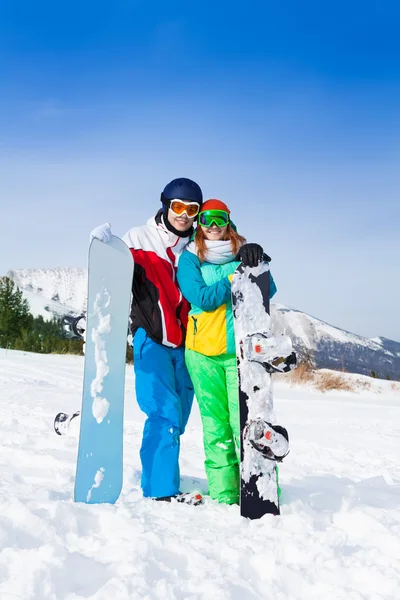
(14, 313)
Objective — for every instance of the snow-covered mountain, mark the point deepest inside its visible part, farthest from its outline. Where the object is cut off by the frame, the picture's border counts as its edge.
(63, 290)
(53, 291)
(333, 348)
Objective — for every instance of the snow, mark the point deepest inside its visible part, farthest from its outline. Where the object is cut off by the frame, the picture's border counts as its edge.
(41, 306)
(100, 405)
(98, 478)
(338, 537)
(311, 330)
(57, 291)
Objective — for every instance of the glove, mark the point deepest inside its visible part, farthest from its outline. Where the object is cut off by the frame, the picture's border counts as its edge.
(102, 233)
(251, 255)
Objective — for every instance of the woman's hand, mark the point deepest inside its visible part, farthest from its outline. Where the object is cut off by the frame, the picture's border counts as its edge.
(252, 255)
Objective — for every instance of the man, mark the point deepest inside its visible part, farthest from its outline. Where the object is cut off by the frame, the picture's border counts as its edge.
(158, 322)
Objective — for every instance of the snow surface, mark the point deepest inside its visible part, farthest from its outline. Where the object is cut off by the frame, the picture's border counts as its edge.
(338, 537)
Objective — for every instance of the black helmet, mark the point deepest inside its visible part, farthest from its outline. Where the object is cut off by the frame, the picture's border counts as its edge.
(183, 189)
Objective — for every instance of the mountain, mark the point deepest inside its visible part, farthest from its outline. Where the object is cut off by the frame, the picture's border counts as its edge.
(53, 291)
(334, 348)
(63, 291)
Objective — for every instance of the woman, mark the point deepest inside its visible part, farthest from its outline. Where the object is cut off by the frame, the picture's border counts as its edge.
(205, 271)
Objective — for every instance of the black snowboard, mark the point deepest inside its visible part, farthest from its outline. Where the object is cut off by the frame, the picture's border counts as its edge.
(258, 471)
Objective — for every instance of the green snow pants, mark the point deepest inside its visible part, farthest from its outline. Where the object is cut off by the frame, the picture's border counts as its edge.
(215, 384)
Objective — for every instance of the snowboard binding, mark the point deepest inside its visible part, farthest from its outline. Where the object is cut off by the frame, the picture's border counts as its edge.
(74, 327)
(192, 498)
(271, 440)
(62, 422)
(274, 353)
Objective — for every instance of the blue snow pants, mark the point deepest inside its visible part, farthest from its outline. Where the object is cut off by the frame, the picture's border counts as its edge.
(164, 392)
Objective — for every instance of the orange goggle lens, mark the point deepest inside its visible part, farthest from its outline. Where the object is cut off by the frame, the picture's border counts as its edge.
(190, 208)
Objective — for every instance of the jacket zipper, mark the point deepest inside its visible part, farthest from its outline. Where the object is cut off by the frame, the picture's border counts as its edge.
(194, 331)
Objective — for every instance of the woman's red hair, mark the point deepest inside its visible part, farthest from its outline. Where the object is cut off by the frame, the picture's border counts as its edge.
(200, 240)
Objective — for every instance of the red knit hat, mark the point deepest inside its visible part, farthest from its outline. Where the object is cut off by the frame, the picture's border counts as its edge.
(214, 204)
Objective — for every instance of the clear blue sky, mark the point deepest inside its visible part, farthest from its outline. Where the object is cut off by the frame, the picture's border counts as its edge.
(288, 111)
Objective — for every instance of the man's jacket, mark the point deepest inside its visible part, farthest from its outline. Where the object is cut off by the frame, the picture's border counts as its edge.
(157, 303)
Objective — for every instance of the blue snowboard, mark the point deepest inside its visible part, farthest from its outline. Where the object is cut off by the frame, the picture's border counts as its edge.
(99, 470)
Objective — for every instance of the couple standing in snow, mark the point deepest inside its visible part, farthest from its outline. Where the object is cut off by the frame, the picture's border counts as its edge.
(183, 340)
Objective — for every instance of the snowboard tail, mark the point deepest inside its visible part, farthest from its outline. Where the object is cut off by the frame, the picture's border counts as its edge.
(254, 506)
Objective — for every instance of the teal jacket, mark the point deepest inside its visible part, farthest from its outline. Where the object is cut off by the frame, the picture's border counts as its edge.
(207, 287)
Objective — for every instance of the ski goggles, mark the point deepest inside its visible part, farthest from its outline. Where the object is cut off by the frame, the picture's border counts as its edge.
(220, 218)
(179, 207)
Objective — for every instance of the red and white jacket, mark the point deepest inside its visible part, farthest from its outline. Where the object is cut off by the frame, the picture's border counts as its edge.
(157, 302)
